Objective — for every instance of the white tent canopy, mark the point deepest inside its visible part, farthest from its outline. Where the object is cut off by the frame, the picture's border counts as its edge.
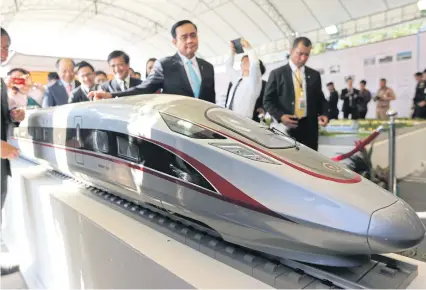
(93, 28)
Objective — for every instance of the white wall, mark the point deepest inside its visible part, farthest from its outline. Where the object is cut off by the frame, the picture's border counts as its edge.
(399, 74)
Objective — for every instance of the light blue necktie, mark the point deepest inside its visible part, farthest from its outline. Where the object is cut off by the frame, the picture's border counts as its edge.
(195, 80)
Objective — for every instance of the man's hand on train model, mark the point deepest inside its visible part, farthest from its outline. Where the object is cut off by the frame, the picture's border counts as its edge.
(99, 95)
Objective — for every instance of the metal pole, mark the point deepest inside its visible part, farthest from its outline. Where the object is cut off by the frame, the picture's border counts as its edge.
(392, 178)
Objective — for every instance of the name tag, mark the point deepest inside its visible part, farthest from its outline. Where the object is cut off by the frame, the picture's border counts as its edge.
(302, 101)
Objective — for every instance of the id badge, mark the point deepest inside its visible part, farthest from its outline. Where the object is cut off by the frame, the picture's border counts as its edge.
(302, 102)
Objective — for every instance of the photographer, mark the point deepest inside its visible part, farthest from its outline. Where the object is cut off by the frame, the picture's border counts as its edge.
(22, 91)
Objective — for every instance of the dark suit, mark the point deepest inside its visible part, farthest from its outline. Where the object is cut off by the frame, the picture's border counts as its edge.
(6, 120)
(56, 94)
(279, 100)
(112, 86)
(350, 103)
(80, 95)
(333, 110)
(420, 112)
(169, 74)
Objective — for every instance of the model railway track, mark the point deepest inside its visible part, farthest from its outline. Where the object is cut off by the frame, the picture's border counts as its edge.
(381, 272)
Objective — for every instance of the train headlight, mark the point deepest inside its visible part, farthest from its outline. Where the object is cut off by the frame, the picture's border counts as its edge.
(244, 152)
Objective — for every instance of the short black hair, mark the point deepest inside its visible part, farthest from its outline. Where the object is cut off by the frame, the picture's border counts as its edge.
(261, 65)
(99, 72)
(52, 76)
(82, 64)
(418, 74)
(330, 84)
(383, 80)
(137, 73)
(349, 79)
(151, 59)
(119, 53)
(306, 41)
(363, 82)
(424, 71)
(59, 60)
(4, 32)
(21, 70)
(180, 23)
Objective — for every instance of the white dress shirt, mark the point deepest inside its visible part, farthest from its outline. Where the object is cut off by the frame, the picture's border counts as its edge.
(249, 88)
(194, 66)
(296, 82)
(66, 85)
(121, 82)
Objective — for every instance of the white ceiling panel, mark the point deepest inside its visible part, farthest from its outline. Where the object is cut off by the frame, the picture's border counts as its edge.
(258, 16)
(357, 7)
(221, 27)
(297, 15)
(332, 12)
(242, 24)
(142, 27)
(398, 3)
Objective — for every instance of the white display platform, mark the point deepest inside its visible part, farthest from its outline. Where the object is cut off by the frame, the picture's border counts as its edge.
(66, 239)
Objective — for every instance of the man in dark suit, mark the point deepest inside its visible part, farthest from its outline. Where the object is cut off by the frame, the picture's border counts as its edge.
(420, 97)
(333, 110)
(180, 74)
(58, 93)
(350, 97)
(7, 151)
(119, 62)
(294, 97)
(86, 75)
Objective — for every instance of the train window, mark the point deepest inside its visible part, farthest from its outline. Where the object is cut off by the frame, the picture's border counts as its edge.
(164, 161)
(100, 141)
(38, 134)
(127, 149)
(249, 129)
(189, 129)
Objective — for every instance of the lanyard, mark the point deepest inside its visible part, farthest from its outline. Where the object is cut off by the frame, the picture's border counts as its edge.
(299, 81)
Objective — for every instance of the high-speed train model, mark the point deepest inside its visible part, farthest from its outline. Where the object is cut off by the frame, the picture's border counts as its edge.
(255, 187)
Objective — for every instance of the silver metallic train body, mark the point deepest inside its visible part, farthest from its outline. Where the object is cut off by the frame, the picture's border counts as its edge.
(255, 187)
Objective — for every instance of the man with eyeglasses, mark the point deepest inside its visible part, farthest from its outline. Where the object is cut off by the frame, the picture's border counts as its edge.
(294, 96)
(86, 76)
(181, 74)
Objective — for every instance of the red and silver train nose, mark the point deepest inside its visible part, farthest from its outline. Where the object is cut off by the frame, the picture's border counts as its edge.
(395, 228)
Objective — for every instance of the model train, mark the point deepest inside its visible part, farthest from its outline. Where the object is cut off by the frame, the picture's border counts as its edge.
(254, 186)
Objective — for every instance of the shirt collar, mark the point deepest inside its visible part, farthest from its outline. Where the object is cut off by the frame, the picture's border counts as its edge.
(185, 59)
(127, 79)
(67, 84)
(294, 67)
(86, 89)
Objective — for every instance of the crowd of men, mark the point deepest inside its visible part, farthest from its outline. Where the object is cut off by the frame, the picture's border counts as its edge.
(355, 101)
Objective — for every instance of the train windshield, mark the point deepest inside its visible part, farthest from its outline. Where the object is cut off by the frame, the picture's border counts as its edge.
(189, 129)
(249, 129)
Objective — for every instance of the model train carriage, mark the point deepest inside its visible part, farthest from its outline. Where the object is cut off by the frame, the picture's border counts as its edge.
(255, 187)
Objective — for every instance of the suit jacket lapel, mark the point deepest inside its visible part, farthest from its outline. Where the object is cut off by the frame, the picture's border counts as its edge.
(182, 73)
(289, 81)
(115, 85)
(201, 67)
